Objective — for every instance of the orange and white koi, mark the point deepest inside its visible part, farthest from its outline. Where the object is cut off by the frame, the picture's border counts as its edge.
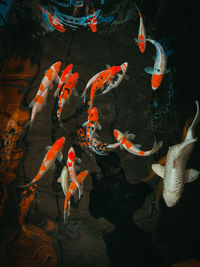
(91, 18)
(118, 78)
(71, 159)
(160, 64)
(72, 188)
(124, 140)
(55, 152)
(53, 20)
(66, 92)
(64, 77)
(141, 34)
(91, 125)
(40, 99)
(103, 78)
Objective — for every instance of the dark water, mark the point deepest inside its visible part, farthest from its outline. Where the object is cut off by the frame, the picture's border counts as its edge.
(176, 24)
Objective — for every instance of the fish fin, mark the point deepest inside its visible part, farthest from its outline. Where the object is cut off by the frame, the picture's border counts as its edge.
(156, 147)
(57, 79)
(138, 145)
(31, 104)
(167, 70)
(75, 92)
(154, 57)
(56, 93)
(60, 157)
(61, 124)
(85, 124)
(158, 169)
(107, 66)
(130, 136)
(27, 124)
(59, 180)
(149, 70)
(47, 148)
(77, 168)
(65, 215)
(78, 160)
(126, 76)
(121, 146)
(191, 175)
(53, 166)
(99, 126)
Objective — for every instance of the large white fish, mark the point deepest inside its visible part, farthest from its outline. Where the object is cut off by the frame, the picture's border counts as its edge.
(174, 173)
(160, 64)
(125, 141)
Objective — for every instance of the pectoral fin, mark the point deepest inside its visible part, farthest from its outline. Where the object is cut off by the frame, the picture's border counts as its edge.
(99, 126)
(130, 136)
(191, 175)
(60, 157)
(57, 79)
(158, 169)
(47, 148)
(59, 180)
(149, 70)
(85, 124)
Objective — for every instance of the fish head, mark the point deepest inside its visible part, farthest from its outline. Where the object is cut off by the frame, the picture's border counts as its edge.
(115, 70)
(171, 197)
(76, 75)
(93, 114)
(118, 135)
(57, 66)
(156, 80)
(59, 143)
(71, 154)
(124, 66)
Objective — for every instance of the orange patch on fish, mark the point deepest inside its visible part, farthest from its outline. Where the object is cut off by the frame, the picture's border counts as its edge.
(43, 168)
(156, 80)
(69, 164)
(50, 155)
(49, 74)
(142, 153)
(115, 134)
(128, 144)
(71, 156)
(40, 99)
(57, 66)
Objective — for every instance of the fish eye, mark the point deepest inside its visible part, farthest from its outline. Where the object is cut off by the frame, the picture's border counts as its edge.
(158, 70)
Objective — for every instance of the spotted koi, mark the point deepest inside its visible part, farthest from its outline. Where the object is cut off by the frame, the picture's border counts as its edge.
(124, 140)
(64, 77)
(55, 152)
(80, 178)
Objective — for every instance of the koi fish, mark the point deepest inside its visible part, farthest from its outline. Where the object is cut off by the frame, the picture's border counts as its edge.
(101, 148)
(174, 173)
(103, 78)
(25, 205)
(64, 180)
(82, 137)
(80, 178)
(91, 125)
(141, 34)
(117, 80)
(66, 92)
(64, 77)
(160, 64)
(71, 158)
(54, 152)
(125, 139)
(91, 18)
(40, 99)
(53, 20)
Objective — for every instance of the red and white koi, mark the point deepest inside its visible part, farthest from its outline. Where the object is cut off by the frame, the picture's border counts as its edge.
(66, 92)
(91, 18)
(102, 79)
(141, 34)
(55, 152)
(124, 140)
(53, 20)
(71, 190)
(117, 79)
(40, 99)
(64, 77)
(160, 64)
(71, 159)
(91, 125)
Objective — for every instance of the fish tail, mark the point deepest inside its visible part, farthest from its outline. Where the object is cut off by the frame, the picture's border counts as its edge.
(65, 216)
(26, 185)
